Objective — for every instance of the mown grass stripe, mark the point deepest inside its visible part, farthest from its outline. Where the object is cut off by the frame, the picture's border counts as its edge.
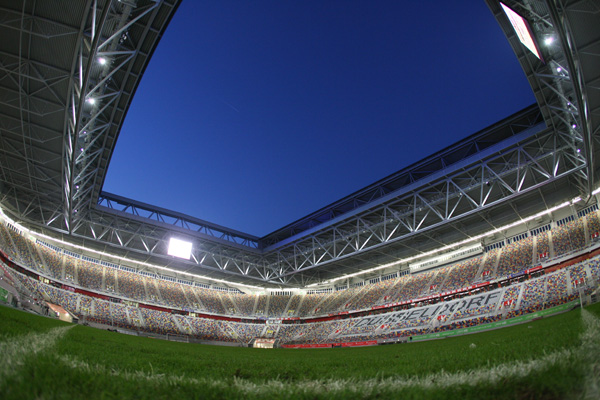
(586, 352)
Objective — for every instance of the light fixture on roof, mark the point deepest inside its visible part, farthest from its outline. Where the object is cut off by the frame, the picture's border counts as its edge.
(90, 100)
(523, 31)
(33, 234)
(179, 248)
(101, 60)
(549, 40)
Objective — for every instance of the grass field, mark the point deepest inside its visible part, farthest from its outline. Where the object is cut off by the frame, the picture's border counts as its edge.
(551, 358)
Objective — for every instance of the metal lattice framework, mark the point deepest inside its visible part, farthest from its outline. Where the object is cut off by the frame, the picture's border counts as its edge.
(68, 77)
(456, 193)
(518, 156)
(103, 61)
(69, 72)
(566, 84)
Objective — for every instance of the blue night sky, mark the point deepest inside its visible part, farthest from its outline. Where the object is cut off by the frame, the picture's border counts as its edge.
(253, 114)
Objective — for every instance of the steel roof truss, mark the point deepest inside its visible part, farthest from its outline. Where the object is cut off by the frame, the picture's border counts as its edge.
(106, 37)
(483, 185)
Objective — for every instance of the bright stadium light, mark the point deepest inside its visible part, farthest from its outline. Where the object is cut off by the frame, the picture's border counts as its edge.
(179, 248)
(524, 33)
(129, 261)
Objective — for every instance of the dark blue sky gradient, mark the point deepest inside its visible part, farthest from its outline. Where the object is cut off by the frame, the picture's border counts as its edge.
(253, 114)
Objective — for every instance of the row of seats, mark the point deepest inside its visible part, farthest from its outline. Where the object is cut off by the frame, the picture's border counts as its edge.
(520, 298)
(512, 258)
(568, 237)
(499, 262)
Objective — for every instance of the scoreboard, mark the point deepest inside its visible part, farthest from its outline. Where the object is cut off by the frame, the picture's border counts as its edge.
(263, 343)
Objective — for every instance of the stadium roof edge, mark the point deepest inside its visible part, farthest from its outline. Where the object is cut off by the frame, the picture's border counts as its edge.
(412, 186)
(102, 175)
(175, 224)
(327, 213)
(484, 139)
(130, 203)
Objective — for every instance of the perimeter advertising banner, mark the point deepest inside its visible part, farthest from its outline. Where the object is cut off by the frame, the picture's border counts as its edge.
(328, 345)
(427, 312)
(494, 325)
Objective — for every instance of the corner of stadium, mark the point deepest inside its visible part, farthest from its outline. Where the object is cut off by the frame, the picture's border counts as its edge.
(497, 235)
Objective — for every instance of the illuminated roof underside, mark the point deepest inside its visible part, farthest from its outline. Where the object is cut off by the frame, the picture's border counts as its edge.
(69, 75)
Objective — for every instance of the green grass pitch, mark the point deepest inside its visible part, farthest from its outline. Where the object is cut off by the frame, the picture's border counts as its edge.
(551, 358)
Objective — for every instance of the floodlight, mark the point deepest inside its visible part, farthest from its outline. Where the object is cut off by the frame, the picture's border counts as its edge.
(524, 33)
(102, 60)
(90, 100)
(179, 248)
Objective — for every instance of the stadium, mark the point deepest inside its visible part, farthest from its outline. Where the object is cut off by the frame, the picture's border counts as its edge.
(491, 244)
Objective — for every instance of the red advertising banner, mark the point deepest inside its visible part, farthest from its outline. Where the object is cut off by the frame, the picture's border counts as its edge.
(364, 343)
(328, 345)
(530, 270)
(306, 346)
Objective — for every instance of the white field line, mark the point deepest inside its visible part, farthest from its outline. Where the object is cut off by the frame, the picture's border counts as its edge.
(364, 387)
(14, 351)
(485, 375)
(591, 354)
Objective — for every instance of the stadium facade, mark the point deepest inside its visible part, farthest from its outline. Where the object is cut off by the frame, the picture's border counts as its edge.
(69, 76)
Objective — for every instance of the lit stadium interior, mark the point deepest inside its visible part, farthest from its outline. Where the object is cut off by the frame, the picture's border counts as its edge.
(504, 214)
